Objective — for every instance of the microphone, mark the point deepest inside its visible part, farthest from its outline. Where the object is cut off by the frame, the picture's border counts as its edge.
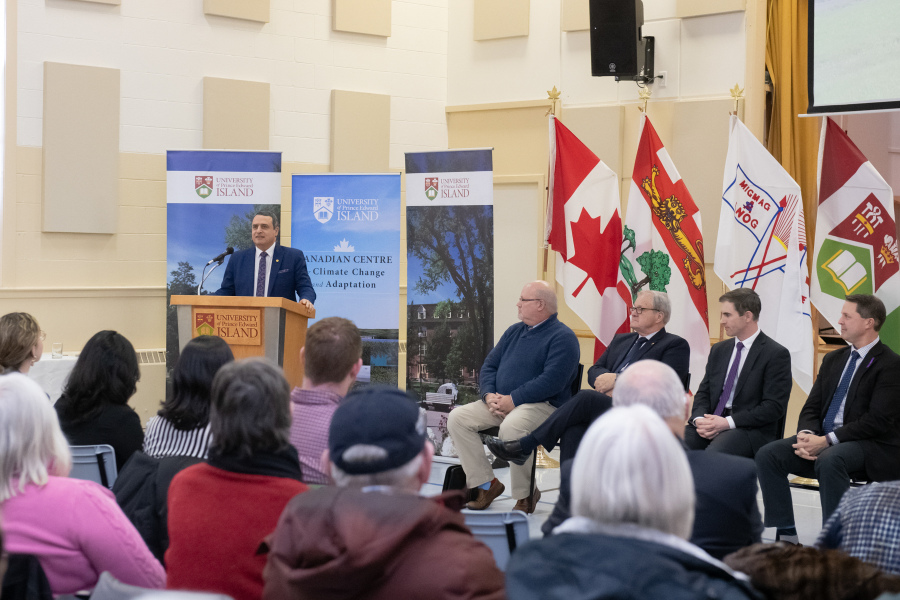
(220, 258)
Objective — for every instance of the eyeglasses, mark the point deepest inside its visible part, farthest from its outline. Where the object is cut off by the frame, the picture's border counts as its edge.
(529, 299)
(640, 309)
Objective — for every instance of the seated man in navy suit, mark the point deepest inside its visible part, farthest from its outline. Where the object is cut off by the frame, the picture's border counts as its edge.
(743, 397)
(649, 340)
(268, 269)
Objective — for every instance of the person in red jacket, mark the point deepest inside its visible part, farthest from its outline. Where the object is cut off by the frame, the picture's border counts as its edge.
(220, 511)
(372, 536)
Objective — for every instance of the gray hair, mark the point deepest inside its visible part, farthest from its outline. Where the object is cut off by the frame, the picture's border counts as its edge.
(651, 383)
(404, 476)
(32, 445)
(661, 303)
(249, 408)
(629, 468)
(545, 292)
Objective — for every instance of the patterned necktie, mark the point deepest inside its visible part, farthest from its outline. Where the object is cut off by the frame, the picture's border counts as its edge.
(638, 344)
(729, 381)
(840, 393)
(261, 278)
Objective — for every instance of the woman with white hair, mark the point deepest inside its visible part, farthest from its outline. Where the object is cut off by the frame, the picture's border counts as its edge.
(74, 527)
(633, 507)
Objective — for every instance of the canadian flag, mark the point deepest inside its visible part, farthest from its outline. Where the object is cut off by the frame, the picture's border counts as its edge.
(662, 247)
(585, 229)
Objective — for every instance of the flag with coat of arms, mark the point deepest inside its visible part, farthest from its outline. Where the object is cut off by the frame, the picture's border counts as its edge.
(662, 247)
(584, 227)
(762, 245)
(856, 234)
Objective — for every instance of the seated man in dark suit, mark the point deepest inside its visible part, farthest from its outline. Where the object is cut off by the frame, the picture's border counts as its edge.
(268, 269)
(849, 426)
(744, 394)
(650, 340)
(726, 514)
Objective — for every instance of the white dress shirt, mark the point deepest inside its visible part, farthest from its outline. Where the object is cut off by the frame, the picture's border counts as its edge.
(269, 260)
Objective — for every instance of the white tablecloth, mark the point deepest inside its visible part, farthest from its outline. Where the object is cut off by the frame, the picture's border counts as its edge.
(51, 373)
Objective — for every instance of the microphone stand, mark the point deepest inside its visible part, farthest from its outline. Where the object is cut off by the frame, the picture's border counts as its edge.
(204, 275)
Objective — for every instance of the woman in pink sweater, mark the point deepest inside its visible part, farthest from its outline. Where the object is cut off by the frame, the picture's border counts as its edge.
(74, 527)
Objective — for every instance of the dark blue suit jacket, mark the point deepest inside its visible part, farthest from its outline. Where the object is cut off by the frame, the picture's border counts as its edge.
(287, 279)
(664, 346)
(726, 513)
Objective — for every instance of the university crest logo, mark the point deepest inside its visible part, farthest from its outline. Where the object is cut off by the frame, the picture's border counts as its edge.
(323, 209)
(203, 185)
(205, 323)
(431, 187)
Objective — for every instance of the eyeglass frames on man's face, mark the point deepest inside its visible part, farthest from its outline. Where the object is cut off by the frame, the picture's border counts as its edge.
(528, 299)
(640, 309)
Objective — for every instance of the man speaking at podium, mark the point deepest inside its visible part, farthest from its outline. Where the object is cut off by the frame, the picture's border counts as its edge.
(268, 269)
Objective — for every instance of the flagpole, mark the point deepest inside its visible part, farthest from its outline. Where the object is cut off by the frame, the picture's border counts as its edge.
(552, 95)
(737, 95)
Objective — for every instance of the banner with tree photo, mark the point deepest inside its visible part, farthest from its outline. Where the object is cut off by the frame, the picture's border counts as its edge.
(450, 280)
(348, 226)
(211, 197)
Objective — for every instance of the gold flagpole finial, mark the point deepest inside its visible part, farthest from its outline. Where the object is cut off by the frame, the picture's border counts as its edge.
(553, 95)
(644, 95)
(737, 94)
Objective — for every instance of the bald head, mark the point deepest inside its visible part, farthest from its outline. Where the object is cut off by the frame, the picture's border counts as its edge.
(537, 302)
(654, 384)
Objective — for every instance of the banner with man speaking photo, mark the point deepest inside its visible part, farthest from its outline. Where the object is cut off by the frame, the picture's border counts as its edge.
(211, 198)
(450, 280)
(348, 226)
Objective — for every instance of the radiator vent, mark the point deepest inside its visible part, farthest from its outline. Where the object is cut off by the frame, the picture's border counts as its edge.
(151, 357)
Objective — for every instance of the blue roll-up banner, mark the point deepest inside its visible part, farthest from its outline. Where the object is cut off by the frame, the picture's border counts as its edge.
(348, 226)
(450, 279)
(211, 197)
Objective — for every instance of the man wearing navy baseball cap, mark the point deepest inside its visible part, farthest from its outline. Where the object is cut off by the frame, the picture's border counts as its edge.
(371, 535)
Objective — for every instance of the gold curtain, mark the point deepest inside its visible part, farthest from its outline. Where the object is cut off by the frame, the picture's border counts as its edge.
(793, 141)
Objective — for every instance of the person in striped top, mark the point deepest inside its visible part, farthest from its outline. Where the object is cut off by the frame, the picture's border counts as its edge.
(181, 427)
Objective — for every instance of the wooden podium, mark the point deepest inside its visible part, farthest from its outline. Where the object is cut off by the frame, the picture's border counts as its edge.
(270, 327)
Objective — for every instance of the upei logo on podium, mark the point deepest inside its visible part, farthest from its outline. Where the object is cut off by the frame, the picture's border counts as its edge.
(203, 185)
(205, 323)
(431, 187)
(323, 208)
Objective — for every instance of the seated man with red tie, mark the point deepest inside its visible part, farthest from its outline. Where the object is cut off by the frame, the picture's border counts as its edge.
(268, 269)
(649, 340)
(849, 426)
(744, 394)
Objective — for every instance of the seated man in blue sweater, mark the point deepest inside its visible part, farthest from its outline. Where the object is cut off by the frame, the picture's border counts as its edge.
(527, 376)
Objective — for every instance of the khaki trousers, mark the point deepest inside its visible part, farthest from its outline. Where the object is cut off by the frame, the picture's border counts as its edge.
(466, 421)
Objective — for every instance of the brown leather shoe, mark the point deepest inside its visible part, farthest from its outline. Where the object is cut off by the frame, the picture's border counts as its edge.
(484, 497)
(527, 505)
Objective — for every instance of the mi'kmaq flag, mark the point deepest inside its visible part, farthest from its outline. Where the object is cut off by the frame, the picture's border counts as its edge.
(662, 247)
(584, 228)
(856, 236)
(762, 245)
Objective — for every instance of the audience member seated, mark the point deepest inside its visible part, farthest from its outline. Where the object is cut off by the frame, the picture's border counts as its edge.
(93, 408)
(866, 525)
(648, 340)
(849, 426)
(783, 571)
(727, 516)
(21, 342)
(633, 507)
(74, 527)
(220, 511)
(181, 427)
(524, 379)
(371, 536)
(332, 360)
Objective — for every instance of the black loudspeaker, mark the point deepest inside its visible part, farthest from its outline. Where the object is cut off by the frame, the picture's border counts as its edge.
(616, 46)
